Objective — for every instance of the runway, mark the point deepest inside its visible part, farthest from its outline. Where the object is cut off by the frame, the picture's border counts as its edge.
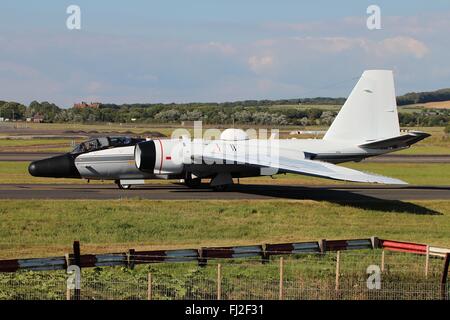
(389, 158)
(336, 193)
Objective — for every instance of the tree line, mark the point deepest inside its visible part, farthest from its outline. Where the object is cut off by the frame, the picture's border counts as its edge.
(313, 111)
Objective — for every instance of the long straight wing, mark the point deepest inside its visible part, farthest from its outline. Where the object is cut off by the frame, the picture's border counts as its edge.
(301, 166)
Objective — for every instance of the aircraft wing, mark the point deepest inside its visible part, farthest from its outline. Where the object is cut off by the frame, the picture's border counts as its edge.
(300, 166)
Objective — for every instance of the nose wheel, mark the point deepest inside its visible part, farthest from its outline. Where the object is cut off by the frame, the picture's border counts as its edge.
(122, 186)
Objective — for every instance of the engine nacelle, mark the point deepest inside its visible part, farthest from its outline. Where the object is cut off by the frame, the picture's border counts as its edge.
(159, 157)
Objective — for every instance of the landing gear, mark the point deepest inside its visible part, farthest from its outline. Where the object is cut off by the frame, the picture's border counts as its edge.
(221, 182)
(122, 186)
(192, 182)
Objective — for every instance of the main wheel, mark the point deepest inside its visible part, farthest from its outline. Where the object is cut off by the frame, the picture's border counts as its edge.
(193, 183)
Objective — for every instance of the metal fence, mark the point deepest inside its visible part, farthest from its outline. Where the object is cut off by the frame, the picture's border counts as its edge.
(337, 276)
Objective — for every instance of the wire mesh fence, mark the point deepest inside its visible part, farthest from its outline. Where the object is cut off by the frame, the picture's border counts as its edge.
(335, 276)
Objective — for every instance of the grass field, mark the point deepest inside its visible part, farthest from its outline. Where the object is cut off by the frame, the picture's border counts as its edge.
(432, 105)
(37, 145)
(48, 227)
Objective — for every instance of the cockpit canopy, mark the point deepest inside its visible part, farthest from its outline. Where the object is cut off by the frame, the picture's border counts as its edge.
(105, 143)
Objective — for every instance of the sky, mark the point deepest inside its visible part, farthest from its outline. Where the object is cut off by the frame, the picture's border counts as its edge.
(216, 50)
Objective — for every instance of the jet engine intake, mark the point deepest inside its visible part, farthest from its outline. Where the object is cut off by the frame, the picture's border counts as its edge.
(145, 156)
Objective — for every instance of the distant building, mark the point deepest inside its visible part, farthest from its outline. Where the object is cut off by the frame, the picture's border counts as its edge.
(86, 105)
(38, 118)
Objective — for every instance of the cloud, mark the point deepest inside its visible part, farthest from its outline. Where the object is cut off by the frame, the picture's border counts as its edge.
(255, 59)
(260, 64)
(329, 44)
(388, 47)
(403, 45)
(212, 47)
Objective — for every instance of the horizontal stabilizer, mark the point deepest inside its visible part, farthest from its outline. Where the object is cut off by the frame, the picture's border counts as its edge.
(397, 142)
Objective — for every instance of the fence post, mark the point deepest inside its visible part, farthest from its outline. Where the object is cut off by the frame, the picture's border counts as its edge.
(219, 281)
(149, 286)
(382, 260)
(77, 262)
(202, 260)
(427, 261)
(280, 295)
(265, 254)
(130, 258)
(375, 242)
(338, 257)
(444, 277)
(323, 245)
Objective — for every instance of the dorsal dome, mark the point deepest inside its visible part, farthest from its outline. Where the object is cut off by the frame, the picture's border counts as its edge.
(233, 135)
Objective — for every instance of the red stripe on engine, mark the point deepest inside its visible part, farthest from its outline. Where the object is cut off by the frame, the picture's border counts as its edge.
(162, 153)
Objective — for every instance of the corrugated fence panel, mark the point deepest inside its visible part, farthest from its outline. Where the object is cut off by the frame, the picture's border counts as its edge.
(110, 259)
(440, 252)
(292, 248)
(165, 256)
(9, 265)
(358, 244)
(232, 252)
(182, 255)
(353, 244)
(38, 264)
(404, 246)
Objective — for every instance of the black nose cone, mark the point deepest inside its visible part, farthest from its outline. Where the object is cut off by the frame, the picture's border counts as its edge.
(56, 167)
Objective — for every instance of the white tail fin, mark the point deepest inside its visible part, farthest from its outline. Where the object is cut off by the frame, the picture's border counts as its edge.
(370, 112)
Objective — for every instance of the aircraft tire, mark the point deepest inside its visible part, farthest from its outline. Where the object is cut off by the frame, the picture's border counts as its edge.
(122, 186)
(193, 183)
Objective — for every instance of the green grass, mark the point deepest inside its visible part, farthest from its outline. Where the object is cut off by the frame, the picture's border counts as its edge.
(37, 145)
(48, 227)
(33, 142)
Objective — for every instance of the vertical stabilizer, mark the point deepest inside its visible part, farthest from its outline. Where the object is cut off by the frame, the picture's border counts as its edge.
(370, 112)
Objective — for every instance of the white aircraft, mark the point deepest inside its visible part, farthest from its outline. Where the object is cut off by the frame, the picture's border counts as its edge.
(366, 126)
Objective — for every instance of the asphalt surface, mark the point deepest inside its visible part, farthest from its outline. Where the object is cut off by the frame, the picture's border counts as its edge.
(237, 192)
(389, 158)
